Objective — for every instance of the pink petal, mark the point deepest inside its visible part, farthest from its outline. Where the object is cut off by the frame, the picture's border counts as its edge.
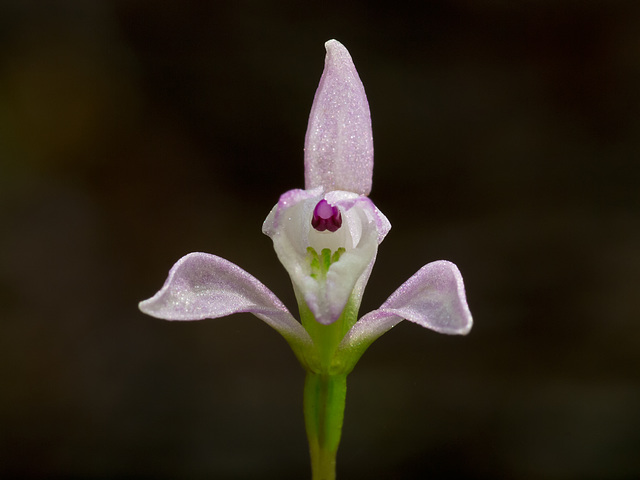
(201, 286)
(339, 141)
(434, 297)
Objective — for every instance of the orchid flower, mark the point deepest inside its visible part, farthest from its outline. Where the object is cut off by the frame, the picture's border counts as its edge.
(326, 236)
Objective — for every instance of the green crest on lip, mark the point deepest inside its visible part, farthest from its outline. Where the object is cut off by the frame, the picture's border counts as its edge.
(320, 263)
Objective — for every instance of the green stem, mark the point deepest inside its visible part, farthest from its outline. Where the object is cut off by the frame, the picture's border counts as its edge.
(324, 401)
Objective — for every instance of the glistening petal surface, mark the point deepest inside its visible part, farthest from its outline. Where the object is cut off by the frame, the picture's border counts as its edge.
(202, 286)
(434, 297)
(338, 152)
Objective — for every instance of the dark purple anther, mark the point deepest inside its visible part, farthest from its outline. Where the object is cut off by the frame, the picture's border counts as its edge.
(326, 217)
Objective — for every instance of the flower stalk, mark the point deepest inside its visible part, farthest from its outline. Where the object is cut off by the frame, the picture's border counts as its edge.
(324, 403)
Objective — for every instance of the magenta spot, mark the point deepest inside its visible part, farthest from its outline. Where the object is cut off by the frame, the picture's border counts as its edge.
(326, 217)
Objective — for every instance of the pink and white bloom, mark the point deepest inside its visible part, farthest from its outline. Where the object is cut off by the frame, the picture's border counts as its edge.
(327, 238)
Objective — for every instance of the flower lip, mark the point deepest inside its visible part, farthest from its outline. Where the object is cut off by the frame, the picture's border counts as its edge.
(326, 217)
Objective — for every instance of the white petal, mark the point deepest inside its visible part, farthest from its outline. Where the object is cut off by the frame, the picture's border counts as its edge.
(363, 228)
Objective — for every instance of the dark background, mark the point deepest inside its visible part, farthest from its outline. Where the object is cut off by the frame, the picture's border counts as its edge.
(507, 138)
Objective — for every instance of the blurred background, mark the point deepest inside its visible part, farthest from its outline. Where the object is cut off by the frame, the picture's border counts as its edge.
(507, 138)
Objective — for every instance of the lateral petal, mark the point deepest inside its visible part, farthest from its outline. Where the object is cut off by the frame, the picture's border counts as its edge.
(434, 297)
(201, 285)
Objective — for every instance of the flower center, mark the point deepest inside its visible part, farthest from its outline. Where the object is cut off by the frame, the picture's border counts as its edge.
(326, 217)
